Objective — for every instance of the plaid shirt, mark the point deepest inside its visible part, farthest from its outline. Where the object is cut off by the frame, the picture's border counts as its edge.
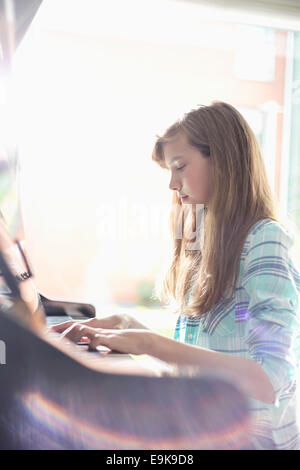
(260, 323)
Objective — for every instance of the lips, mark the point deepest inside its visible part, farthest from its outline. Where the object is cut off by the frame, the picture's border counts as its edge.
(183, 199)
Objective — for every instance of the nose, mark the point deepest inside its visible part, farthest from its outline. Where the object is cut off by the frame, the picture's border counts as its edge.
(174, 184)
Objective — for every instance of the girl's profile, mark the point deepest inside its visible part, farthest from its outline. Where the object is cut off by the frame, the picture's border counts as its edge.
(236, 292)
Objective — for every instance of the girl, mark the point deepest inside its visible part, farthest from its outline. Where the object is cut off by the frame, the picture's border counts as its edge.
(234, 284)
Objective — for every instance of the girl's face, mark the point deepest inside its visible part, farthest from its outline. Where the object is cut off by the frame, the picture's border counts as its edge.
(190, 170)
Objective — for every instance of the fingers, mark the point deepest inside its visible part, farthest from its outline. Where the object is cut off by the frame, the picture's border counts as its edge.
(97, 338)
(123, 341)
(63, 326)
(108, 341)
(109, 322)
(77, 331)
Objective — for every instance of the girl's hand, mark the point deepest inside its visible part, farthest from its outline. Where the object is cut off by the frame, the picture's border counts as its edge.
(125, 341)
(110, 322)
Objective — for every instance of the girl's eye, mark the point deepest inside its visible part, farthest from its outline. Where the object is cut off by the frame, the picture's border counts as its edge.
(181, 167)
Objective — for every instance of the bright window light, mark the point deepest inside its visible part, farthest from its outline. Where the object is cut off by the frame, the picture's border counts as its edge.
(93, 83)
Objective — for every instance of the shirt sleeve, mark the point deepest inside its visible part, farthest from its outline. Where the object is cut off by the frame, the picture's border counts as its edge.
(272, 285)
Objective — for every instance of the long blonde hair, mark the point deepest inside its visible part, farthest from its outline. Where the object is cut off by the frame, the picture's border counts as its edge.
(241, 196)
